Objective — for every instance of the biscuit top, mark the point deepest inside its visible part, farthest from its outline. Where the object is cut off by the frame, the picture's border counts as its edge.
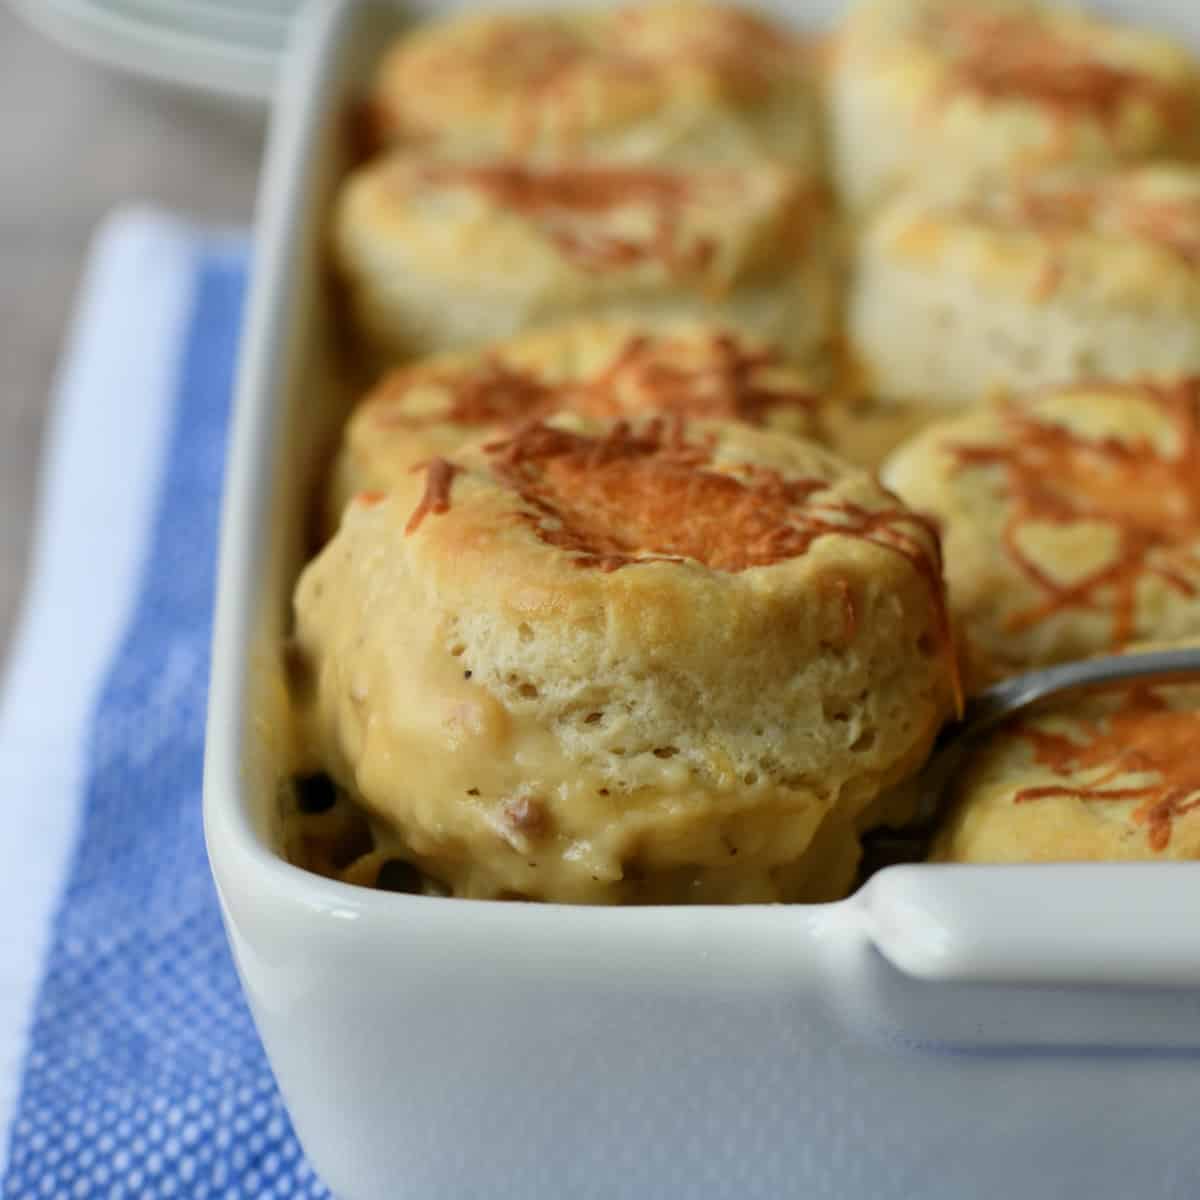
(1065, 64)
(701, 227)
(520, 82)
(623, 497)
(572, 208)
(1060, 62)
(1112, 777)
(1130, 236)
(1145, 736)
(598, 368)
(1139, 480)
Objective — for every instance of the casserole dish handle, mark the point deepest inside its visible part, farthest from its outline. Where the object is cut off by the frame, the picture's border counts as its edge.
(1115, 924)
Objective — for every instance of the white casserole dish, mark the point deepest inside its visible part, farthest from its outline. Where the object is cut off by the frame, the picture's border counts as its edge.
(947, 1031)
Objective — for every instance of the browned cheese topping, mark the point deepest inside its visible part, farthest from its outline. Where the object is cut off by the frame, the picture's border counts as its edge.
(1016, 56)
(1151, 499)
(546, 72)
(727, 380)
(573, 208)
(1144, 737)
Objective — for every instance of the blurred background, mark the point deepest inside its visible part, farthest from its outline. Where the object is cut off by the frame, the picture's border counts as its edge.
(77, 138)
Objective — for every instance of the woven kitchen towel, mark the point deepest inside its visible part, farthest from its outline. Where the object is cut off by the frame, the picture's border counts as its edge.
(129, 1066)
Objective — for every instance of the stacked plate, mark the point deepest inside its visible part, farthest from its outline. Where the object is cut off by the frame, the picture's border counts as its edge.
(227, 47)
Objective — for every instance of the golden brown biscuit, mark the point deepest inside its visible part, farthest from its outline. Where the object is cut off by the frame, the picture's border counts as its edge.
(1071, 521)
(1113, 777)
(1070, 275)
(622, 662)
(644, 83)
(962, 94)
(441, 255)
(601, 369)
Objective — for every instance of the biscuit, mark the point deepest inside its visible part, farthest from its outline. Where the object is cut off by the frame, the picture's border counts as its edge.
(599, 368)
(625, 662)
(646, 83)
(439, 255)
(1113, 777)
(1070, 521)
(964, 94)
(1071, 275)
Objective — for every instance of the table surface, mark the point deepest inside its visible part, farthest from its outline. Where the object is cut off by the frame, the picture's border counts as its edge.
(75, 142)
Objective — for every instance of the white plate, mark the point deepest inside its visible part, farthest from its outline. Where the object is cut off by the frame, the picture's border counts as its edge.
(230, 48)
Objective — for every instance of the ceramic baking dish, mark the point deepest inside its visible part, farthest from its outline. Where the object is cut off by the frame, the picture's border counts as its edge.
(947, 1031)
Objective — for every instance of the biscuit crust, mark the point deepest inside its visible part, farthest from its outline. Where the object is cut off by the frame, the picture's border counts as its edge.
(1074, 274)
(439, 255)
(965, 94)
(1071, 521)
(601, 369)
(666, 81)
(1114, 778)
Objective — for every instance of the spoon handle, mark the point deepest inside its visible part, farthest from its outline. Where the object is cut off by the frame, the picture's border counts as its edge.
(1023, 692)
(1008, 699)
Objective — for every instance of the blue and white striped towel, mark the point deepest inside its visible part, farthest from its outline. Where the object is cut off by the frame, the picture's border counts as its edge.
(129, 1066)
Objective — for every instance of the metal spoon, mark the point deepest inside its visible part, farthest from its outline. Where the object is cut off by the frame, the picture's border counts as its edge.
(926, 790)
